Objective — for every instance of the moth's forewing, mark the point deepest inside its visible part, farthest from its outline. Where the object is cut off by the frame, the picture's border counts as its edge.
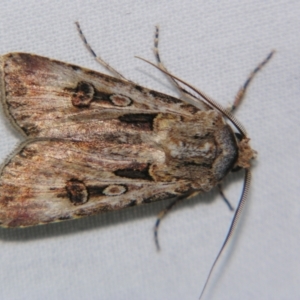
(48, 98)
(56, 180)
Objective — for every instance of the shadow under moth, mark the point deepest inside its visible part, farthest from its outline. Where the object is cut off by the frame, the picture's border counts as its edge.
(96, 143)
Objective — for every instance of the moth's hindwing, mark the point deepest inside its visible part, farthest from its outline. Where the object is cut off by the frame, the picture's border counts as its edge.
(98, 143)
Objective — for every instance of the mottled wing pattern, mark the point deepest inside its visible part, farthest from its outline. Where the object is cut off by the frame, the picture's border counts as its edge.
(48, 98)
(98, 143)
(72, 179)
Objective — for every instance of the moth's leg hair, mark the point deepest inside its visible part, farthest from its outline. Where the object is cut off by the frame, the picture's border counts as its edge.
(224, 197)
(164, 212)
(98, 58)
(242, 91)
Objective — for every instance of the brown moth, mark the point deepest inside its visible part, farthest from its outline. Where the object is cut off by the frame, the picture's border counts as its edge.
(96, 143)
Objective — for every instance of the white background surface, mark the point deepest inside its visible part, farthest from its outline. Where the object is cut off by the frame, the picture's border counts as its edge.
(212, 45)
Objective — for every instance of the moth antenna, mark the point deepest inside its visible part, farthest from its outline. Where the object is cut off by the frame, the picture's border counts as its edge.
(233, 225)
(209, 100)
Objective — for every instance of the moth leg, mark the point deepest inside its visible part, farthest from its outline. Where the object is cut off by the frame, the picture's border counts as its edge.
(224, 197)
(159, 62)
(242, 91)
(164, 212)
(98, 58)
(184, 94)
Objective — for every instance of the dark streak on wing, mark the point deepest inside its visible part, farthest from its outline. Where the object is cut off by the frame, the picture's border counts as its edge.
(139, 88)
(135, 173)
(144, 121)
(164, 97)
(159, 197)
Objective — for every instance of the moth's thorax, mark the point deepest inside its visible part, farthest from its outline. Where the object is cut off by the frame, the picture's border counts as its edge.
(201, 148)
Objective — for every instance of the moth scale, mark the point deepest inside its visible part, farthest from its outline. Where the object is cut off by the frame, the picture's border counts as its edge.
(95, 143)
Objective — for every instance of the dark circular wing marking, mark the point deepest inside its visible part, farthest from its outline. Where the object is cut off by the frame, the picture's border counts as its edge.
(83, 95)
(120, 100)
(114, 190)
(77, 192)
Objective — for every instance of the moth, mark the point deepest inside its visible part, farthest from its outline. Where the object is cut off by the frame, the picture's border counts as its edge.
(95, 143)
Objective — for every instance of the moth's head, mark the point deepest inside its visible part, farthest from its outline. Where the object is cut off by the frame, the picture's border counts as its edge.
(246, 154)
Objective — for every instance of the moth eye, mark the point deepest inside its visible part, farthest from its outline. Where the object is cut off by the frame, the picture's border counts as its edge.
(236, 169)
(238, 136)
(83, 94)
(114, 190)
(77, 192)
(120, 100)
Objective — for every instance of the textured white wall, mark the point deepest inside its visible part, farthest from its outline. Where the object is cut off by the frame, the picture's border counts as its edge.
(212, 45)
